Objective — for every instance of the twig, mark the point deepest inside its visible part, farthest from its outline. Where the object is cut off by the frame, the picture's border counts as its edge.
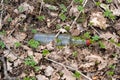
(104, 38)
(84, 3)
(70, 4)
(1, 14)
(6, 76)
(10, 51)
(64, 66)
(41, 6)
(119, 1)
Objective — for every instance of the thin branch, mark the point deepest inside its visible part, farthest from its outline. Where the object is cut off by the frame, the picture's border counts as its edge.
(104, 38)
(84, 3)
(6, 76)
(64, 66)
(41, 6)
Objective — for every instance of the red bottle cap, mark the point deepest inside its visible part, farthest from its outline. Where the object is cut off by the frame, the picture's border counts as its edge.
(88, 42)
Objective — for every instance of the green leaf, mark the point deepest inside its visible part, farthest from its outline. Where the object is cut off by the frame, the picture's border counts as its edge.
(81, 8)
(37, 68)
(75, 53)
(45, 52)
(17, 44)
(110, 73)
(21, 9)
(87, 35)
(78, 1)
(63, 7)
(101, 45)
(33, 43)
(95, 38)
(34, 31)
(109, 14)
(98, 3)
(9, 19)
(109, 1)
(62, 16)
(29, 61)
(77, 74)
(41, 18)
(2, 45)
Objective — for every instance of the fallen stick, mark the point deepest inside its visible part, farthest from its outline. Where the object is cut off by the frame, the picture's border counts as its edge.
(68, 68)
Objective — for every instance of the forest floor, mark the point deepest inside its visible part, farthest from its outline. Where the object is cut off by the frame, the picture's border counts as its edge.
(96, 22)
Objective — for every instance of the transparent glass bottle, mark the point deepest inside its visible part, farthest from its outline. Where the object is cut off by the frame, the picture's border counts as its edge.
(62, 39)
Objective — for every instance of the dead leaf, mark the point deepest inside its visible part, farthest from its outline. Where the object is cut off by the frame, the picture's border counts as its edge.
(50, 46)
(41, 77)
(30, 53)
(97, 20)
(67, 75)
(116, 12)
(24, 7)
(20, 36)
(87, 65)
(55, 76)
(17, 62)
(51, 7)
(74, 11)
(38, 57)
(49, 71)
(9, 66)
(109, 35)
(21, 17)
(100, 60)
(10, 41)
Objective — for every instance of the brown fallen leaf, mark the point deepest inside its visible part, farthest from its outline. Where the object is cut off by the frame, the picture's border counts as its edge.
(20, 36)
(67, 75)
(109, 35)
(97, 20)
(25, 7)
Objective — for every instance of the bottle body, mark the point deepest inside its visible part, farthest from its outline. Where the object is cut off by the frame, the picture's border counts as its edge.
(62, 39)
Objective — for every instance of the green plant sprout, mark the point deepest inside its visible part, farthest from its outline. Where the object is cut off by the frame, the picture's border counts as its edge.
(58, 40)
(45, 52)
(110, 73)
(67, 28)
(62, 16)
(17, 44)
(58, 26)
(63, 7)
(98, 3)
(101, 45)
(3, 32)
(109, 1)
(95, 38)
(112, 67)
(33, 43)
(80, 8)
(77, 75)
(34, 31)
(29, 78)
(9, 19)
(21, 9)
(87, 35)
(2, 45)
(29, 61)
(109, 14)
(74, 54)
(37, 68)
(41, 18)
(78, 1)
